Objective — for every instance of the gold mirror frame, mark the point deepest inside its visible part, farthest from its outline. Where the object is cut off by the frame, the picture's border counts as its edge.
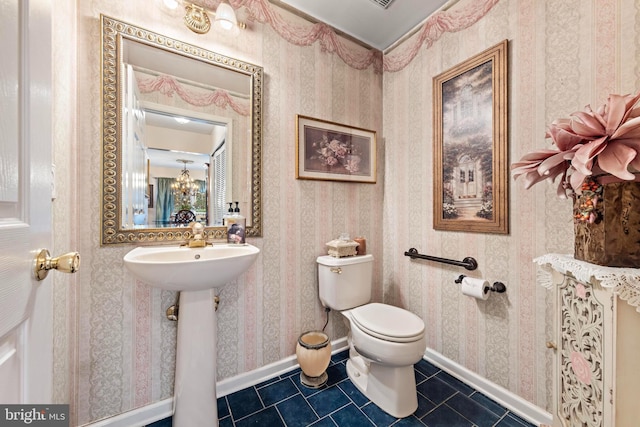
(113, 33)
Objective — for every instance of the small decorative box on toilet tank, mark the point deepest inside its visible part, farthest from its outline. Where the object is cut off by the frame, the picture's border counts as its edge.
(342, 246)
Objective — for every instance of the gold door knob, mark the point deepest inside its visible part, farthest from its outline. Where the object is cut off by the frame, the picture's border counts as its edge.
(67, 263)
(551, 344)
(172, 313)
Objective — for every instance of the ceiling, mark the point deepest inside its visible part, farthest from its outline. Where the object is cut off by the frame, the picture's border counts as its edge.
(368, 21)
(172, 158)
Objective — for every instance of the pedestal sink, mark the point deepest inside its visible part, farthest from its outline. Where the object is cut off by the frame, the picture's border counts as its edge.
(195, 272)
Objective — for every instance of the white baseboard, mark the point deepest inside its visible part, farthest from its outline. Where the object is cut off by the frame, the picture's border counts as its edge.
(251, 378)
(138, 417)
(504, 397)
(163, 409)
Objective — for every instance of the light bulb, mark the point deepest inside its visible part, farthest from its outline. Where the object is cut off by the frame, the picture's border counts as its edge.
(225, 17)
(170, 4)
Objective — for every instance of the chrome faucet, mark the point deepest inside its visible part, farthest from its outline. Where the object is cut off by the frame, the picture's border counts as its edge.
(197, 241)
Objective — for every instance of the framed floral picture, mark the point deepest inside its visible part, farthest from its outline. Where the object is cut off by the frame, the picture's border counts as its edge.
(470, 153)
(334, 152)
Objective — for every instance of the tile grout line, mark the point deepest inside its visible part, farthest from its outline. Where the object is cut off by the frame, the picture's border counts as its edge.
(486, 408)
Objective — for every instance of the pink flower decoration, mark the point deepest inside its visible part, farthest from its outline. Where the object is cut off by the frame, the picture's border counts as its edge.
(353, 164)
(605, 141)
(581, 367)
(581, 291)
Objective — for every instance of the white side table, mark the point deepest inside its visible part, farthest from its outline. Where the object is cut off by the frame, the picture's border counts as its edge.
(597, 342)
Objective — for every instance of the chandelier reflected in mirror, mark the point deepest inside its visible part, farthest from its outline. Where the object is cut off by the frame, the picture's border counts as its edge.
(185, 189)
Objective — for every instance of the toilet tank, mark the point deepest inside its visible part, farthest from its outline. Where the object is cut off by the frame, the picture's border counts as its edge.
(345, 283)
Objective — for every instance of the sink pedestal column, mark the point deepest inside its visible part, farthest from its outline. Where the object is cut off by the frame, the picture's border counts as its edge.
(195, 401)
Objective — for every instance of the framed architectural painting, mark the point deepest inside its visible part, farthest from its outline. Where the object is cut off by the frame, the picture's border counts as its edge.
(334, 152)
(470, 156)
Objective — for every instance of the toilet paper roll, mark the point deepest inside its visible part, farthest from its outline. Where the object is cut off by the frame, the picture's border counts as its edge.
(476, 288)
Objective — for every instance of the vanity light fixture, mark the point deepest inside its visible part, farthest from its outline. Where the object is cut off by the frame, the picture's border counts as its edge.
(170, 4)
(197, 18)
(182, 120)
(225, 18)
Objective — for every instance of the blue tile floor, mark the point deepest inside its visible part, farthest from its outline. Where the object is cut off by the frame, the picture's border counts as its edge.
(443, 401)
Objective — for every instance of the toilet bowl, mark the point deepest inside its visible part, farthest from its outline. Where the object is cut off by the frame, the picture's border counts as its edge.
(387, 334)
(384, 344)
(384, 341)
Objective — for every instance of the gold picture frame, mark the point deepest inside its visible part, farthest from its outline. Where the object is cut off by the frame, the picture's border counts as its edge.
(334, 152)
(470, 155)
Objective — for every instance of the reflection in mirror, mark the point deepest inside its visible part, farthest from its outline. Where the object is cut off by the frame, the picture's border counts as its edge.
(189, 165)
(189, 140)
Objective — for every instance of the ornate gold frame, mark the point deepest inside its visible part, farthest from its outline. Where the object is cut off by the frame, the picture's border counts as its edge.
(499, 222)
(113, 32)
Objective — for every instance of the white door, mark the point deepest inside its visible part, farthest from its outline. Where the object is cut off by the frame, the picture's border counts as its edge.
(25, 200)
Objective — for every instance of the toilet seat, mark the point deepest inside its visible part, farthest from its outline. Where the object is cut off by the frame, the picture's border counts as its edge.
(388, 322)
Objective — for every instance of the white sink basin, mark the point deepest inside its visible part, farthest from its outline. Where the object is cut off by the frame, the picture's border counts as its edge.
(195, 273)
(190, 269)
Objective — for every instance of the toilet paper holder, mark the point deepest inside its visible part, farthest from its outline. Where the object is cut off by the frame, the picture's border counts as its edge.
(497, 287)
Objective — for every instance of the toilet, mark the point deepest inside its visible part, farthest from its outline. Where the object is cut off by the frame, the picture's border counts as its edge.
(384, 341)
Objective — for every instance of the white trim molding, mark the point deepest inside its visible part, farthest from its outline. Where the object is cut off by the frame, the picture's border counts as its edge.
(164, 409)
(138, 417)
(251, 378)
(504, 397)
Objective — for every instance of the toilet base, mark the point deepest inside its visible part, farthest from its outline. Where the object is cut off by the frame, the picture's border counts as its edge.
(392, 389)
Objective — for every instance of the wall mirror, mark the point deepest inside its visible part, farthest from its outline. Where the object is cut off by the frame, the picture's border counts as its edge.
(181, 137)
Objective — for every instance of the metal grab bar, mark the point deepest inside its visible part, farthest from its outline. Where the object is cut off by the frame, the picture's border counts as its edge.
(469, 263)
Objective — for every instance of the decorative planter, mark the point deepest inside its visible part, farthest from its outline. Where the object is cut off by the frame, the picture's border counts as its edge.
(314, 354)
(612, 236)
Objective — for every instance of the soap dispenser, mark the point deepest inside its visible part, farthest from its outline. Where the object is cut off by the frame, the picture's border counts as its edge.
(228, 214)
(236, 225)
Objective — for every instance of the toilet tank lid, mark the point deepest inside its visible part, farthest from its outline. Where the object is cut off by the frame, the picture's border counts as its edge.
(347, 260)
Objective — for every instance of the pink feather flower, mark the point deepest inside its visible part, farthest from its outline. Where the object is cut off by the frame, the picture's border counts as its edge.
(604, 141)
